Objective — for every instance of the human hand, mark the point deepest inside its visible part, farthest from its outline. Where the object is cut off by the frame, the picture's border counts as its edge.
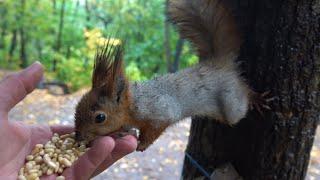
(17, 139)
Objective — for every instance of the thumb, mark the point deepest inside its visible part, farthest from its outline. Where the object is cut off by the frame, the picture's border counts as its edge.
(16, 86)
(87, 164)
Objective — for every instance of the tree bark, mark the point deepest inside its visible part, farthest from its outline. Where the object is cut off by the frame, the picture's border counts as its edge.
(39, 45)
(60, 29)
(88, 14)
(23, 41)
(54, 6)
(167, 39)
(23, 53)
(13, 44)
(4, 24)
(172, 63)
(281, 54)
(175, 65)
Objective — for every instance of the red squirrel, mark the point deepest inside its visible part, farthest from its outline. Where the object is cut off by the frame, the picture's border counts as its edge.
(212, 88)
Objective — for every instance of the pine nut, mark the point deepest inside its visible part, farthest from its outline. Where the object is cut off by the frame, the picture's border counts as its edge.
(52, 157)
(66, 162)
(29, 166)
(60, 178)
(22, 177)
(38, 159)
(49, 172)
(64, 136)
(60, 170)
(40, 173)
(39, 146)
(55, 139)
(21, 171)
(29, 157)
(49, 150)
(32, 176)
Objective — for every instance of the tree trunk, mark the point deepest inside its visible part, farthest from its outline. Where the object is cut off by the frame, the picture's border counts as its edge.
(175, 65)
(2, 35)
(13, 44)
(39, 45)
(280, 53)
(172, 63)
(4, 24)
(23, 41)
(23, 54)
(76, 10)
(59, 37)
(167, 39)
(54, 6)
(88, 14)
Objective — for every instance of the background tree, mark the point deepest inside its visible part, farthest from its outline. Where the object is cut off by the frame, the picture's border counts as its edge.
(64, 35)
(172, 61)
(280, 54)
(23, 35)
(60, 31)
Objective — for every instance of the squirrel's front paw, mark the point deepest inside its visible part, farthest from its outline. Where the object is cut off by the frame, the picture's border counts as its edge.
(260, 101)
(136, 133)
(142, 146)
(129, 131)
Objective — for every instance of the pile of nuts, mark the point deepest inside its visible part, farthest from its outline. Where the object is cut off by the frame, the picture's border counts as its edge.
(52, 158)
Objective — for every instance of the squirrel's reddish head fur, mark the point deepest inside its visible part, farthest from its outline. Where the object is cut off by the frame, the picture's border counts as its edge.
(105, 108)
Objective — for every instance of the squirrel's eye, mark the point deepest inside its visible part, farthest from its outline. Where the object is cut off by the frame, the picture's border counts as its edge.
(100, 118)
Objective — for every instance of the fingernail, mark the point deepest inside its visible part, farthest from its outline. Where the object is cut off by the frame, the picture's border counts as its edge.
(33, 67)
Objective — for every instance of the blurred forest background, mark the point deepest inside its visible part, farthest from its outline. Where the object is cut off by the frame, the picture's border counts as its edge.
(64, 36)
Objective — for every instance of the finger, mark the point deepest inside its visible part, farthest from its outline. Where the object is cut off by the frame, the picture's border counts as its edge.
(91, 160)
(50, 177)
(60, 129)
(124, 146)
(16, 86)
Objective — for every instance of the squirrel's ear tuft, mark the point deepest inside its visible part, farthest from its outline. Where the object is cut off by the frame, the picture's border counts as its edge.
(107, 71)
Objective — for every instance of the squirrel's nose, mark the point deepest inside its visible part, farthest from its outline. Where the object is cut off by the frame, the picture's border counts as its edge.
(79, 136)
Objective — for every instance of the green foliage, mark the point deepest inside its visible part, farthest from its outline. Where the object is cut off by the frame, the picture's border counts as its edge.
(139, 23)
(75, 72)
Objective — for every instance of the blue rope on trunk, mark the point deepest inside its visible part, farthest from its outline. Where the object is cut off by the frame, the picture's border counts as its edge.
(198, 166)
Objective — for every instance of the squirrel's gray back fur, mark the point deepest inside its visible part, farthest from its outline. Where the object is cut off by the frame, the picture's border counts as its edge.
(212, 88)
(202, 90)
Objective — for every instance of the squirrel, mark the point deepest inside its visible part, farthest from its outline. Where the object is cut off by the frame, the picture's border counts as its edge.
(212, 88)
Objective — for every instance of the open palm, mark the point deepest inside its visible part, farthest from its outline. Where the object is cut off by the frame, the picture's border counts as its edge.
(17, 139)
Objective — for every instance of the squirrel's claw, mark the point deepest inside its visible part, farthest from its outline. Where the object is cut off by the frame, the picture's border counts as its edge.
(259, 101)
(134, 132)
(129, 131)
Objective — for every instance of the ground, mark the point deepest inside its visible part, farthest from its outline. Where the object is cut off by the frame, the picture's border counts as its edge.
(163, 160)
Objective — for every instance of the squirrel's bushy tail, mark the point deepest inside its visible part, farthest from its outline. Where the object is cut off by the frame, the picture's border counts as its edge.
(207, 24)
